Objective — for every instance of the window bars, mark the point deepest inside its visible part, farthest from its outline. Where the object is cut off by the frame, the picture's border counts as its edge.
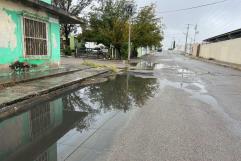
(40, 120)
(35, 38)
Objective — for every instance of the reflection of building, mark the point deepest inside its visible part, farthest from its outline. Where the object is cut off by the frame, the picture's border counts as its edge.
(32, 136)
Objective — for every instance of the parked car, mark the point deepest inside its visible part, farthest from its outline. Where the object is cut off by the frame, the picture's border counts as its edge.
(97, 50)
(159, 50)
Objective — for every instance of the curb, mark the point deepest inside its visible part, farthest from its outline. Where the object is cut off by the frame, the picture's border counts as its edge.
(236, 67)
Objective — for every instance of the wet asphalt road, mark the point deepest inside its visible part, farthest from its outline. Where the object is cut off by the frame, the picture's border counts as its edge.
(170, 108)
(195, 116)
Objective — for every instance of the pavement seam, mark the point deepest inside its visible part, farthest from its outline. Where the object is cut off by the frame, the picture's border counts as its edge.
(88, 138)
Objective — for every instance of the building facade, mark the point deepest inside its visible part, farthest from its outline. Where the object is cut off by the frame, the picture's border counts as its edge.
(30, 31)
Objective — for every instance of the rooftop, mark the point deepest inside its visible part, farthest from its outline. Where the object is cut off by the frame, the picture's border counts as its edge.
(64, 17)
(226, 36)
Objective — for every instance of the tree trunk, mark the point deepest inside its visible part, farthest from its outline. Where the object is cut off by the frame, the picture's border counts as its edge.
(118, 53)
(66, 35)
(134, 53)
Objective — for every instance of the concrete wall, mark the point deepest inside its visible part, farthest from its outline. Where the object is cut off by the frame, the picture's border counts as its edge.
(196, 50)
(11, 34)
(227, 51)
(143, 51)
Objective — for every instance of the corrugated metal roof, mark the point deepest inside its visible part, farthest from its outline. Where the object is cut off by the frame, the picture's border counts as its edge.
(64, 17)
(226, 36)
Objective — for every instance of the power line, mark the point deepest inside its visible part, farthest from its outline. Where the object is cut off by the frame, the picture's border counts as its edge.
(194, 7)
(220, 14)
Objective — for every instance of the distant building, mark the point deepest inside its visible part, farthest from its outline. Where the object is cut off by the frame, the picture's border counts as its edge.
(30, 31)
(224, 37)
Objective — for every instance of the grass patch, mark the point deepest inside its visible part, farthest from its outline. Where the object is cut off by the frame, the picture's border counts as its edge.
(95, 65)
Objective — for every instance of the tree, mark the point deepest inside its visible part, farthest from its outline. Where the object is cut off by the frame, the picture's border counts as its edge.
(147, 28)
(109, 25)
(74, 8)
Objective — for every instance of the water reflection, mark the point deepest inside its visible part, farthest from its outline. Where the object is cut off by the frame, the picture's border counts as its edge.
(121, 94)
(34, 135)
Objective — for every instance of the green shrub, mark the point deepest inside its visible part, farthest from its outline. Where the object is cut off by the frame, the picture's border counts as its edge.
(124, 51)
(67, 51)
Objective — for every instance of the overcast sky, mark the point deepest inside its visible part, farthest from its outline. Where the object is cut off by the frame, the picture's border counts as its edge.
(211, 20)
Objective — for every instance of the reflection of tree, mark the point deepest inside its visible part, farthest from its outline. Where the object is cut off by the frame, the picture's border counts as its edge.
(112, 94)
(76, 102)
(142, 89)
(122, 93)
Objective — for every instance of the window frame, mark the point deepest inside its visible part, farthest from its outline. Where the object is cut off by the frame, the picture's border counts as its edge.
(24, 42)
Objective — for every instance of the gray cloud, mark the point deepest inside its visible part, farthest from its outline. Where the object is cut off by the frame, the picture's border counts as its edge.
(211, 20)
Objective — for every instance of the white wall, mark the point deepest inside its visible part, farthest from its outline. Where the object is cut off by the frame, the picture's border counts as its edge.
(143, 51)
(226, 51)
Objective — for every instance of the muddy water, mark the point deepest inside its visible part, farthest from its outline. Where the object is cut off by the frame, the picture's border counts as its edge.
(40, 133)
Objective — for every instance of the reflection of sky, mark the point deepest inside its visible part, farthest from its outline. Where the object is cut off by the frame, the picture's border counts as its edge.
(211, 20)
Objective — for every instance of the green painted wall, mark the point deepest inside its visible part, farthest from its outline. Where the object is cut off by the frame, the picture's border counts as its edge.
(47, 1)
(9, 54)
(12, 53)
(55, 41)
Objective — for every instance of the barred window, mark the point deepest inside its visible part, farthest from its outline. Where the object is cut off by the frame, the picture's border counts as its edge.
(42, 157)
(35, 37)
(40, 120)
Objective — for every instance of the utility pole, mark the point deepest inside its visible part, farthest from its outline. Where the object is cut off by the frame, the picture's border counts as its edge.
(190, 46)
(195, 34)
(188, 27)
(129, 9)
(174, 44)
(129, 42)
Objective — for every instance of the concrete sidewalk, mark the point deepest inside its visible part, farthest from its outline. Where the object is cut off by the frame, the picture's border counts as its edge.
(119, 64)
(10, 78)
(24, 91)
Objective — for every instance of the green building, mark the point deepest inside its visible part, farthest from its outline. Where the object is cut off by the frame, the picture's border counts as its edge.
(30, 31)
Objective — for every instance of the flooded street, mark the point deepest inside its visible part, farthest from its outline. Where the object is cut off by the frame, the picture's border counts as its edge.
(55, 129)
(167, 107)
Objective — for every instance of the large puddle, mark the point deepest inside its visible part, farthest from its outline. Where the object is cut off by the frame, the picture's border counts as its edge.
(42, 132)
(53, 130)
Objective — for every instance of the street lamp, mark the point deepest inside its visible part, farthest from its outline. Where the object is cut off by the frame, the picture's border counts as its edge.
(129, 10)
